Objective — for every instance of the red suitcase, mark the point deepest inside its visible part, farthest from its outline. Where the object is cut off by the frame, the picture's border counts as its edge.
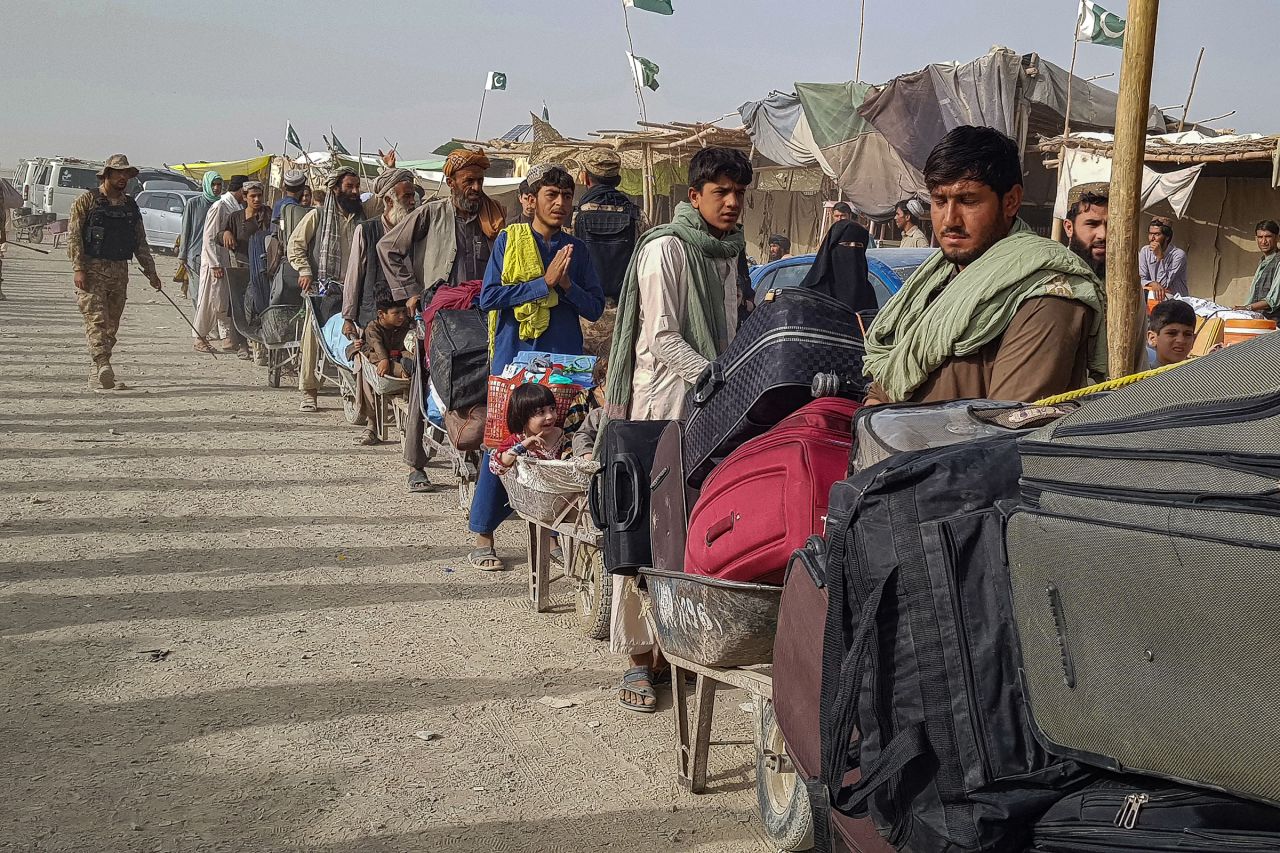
(770, 495)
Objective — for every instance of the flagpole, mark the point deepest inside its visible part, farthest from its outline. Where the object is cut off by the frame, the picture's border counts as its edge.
(631, 53)
(862, 26)
(480, 118)
(1066, 119)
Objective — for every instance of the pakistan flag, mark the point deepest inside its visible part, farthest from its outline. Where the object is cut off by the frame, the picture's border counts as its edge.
(1099, 26)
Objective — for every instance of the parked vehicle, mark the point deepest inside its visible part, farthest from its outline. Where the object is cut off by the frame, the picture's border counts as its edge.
(59, 182)
(162, 215)
(159, 179)
(889, 268)
(24, 177)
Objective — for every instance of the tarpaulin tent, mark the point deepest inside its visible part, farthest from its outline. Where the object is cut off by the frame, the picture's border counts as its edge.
(873, 176)
(251, 167)
(1004, 90)
(780, 131)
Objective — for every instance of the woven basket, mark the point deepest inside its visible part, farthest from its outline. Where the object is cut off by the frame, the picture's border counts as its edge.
(547, 490)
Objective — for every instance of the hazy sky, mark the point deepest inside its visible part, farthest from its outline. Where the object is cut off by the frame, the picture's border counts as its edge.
(183, 80)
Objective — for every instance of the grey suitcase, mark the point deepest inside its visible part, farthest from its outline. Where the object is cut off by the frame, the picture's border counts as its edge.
(1145, 563)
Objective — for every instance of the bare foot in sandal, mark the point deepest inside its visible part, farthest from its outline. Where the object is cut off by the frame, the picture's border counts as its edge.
(636, 692)
(308, 403)
(484, 557)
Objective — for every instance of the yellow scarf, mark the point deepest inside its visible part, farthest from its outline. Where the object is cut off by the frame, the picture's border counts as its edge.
(520, 263)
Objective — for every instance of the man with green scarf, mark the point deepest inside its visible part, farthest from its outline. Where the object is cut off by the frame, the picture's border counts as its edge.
(1000, 313)
(677, 311)
(678, 308)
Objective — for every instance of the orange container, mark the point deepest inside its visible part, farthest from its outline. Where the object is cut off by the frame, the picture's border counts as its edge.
(1240, 331)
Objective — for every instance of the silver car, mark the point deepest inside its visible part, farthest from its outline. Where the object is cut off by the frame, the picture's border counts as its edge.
(162, 216)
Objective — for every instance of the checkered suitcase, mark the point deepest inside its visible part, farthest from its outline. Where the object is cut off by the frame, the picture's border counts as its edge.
(768, 373)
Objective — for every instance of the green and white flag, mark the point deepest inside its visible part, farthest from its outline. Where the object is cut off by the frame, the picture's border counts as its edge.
(662, 7)
(646, 72)
(339, 148)
(496, 80)
(1099, 26)
(291, 136)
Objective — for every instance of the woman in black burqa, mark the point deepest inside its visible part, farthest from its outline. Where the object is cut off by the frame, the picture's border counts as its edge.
(840, 269)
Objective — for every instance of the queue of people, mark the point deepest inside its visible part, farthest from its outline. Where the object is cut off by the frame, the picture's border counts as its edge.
(998, 312)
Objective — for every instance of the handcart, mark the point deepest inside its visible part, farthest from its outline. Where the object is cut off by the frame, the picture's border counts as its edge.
(464, 465)
(721, 633)
(29, 227)
(277, 328)
(551, 497)
(333, 367)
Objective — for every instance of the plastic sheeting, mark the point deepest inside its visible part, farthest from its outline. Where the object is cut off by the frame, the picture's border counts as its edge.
(780, 130)
(226, 168)
(1082, 167)
(873, 176)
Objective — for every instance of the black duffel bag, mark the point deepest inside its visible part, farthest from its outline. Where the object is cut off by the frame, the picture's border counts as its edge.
(920, 658)
(459, 358)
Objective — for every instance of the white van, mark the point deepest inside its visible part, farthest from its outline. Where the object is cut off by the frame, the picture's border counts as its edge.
(24, 176)
(61, 181)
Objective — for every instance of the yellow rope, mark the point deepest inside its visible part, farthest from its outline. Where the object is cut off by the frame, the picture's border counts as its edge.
(1109, 385)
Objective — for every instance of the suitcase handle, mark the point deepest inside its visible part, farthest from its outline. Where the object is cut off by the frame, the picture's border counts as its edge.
(720, 528)
(626, 463)
(595, 505)
(709, 383)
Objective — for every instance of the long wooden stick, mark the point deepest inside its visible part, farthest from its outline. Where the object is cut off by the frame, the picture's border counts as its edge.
(1187, 106)
(862, 28)
(1125, 309)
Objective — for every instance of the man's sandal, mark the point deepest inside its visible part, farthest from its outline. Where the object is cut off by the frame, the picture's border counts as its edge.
(201, 345)
(308, 403)
(486, 560)
(419, 484)
(630, 679)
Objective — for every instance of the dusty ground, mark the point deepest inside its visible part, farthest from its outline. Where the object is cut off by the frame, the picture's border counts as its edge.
(309, 639)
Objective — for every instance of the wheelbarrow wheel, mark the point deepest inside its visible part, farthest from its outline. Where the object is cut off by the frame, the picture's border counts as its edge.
(783, 800)
(36, 234)
(275, 367)
(352, 411)
(594, 598)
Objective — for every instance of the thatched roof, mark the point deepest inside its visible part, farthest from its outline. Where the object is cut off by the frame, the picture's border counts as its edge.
(665, 142)
(1161, 150)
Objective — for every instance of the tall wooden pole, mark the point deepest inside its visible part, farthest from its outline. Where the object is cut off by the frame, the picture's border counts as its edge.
(862, 26)
(480, 117)
(1126, 315)
(1187, 106)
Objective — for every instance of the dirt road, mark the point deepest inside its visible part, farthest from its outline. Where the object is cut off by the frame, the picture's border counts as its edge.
(222, 624)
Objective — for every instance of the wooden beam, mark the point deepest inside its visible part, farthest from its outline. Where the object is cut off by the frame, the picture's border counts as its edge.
(1126, 314)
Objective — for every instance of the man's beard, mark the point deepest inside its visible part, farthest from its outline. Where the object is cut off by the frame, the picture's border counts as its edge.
(964, 258)
(398, 212)
(465, 204)
(1086, 254)
(350, 204)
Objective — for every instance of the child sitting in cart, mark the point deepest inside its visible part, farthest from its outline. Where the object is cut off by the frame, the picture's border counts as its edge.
(587, 412)
(531, 417)
(382, 348)
(382, 344)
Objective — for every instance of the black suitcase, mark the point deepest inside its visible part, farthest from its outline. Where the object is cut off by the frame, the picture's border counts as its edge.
(1145, 559)
(670, 502)
(768, 372)
(459, 358)
(1134, 814)
(789, 728)
(619, 494)
(919, 657)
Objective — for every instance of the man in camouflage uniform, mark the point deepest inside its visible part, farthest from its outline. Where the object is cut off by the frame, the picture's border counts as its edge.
(106, 230)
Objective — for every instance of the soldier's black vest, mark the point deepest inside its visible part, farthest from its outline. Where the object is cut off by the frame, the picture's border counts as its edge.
(606, 222)
(111, 230)
(374, 280)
